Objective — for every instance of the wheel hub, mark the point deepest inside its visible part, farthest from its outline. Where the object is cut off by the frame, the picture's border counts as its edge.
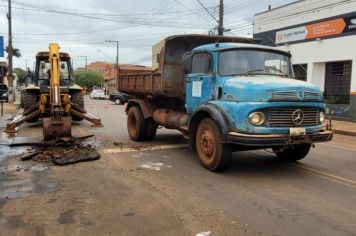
(207, 144)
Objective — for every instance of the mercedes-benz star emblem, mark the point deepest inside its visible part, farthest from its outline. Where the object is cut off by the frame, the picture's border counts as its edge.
(298, 117)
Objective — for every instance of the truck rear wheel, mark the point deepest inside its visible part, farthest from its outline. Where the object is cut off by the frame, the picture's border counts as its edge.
(78, 99)
(212, 153)
(30, 99)
(136, 124)
(151, 129)
(293, 152)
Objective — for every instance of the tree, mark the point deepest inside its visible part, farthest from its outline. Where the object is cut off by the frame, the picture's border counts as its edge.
(88, 79)
(20, 74)
(15, 52)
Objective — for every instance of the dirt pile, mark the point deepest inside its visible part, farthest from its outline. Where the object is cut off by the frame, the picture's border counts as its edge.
(62, 151)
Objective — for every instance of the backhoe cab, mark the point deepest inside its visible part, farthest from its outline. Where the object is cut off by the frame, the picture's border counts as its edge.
(51, 94)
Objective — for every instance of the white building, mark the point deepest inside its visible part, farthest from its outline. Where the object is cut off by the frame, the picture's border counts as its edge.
(321, 35)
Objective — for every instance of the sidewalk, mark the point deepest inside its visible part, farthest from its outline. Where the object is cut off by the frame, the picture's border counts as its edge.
(8, 110)
(344, 127)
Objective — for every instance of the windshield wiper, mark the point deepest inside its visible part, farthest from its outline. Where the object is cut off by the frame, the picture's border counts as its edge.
(250, 72)
(280, 71)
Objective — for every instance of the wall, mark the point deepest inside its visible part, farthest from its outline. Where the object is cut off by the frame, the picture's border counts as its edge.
(314, 52)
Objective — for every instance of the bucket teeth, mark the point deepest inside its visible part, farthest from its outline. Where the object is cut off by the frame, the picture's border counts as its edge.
(57, 127)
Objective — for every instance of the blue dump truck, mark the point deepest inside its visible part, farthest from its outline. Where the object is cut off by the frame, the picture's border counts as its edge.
(225, 94)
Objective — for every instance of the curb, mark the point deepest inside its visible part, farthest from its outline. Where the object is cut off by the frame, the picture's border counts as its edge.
(345, 132)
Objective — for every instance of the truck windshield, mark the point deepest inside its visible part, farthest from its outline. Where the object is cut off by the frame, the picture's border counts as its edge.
(249, 61)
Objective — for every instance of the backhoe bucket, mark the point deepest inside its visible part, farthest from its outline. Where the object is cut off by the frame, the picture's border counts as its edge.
(58, 129)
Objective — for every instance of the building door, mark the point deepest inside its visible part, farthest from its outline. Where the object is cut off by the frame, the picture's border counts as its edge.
(338, 82)
(300, 71)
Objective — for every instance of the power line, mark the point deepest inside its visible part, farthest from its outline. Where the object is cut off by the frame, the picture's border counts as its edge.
(136, 22)
(201, 4)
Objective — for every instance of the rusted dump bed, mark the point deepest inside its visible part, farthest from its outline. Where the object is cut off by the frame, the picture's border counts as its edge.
(167, 78)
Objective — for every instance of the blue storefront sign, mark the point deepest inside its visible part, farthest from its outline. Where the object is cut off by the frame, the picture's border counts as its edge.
(1, 46)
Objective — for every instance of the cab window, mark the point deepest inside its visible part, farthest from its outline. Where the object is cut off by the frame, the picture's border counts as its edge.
(202, 63)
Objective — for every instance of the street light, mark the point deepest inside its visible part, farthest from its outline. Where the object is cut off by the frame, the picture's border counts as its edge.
(117, 60)
(117, 54)
(86, 62)
(110, 59)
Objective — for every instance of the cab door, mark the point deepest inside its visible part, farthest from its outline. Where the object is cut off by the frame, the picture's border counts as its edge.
(199, 81)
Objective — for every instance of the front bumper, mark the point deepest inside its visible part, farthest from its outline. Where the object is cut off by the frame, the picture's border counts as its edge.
(266, 140)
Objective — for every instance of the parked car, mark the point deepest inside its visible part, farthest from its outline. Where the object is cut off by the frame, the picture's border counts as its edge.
(97, 94)
(119, 98)
(4, 93)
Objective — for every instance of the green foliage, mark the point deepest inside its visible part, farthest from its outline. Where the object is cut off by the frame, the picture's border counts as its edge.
(88, 79)
(15, 52)
(20, 74)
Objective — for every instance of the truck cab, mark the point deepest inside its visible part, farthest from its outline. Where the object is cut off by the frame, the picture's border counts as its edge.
(255, 99)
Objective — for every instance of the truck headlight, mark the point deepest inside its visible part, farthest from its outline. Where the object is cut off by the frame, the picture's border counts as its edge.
(4, 94)
(256, 118)
(321, 117)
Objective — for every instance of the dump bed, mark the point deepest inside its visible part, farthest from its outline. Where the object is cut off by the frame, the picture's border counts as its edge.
(167, 78)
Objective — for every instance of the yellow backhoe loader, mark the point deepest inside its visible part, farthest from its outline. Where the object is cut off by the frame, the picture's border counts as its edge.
(53, 96)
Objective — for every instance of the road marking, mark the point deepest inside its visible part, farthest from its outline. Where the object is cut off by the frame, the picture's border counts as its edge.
(333, 145)
(320, 173)
(326, 174)
(139, 149)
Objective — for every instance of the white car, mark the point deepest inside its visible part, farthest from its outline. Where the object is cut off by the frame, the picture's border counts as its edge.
(97, 94)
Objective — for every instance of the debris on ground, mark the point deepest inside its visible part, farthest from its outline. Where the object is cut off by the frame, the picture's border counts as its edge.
(203, 233)
(63, 151)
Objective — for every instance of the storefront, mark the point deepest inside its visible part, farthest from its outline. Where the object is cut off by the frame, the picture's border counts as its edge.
(321, 35)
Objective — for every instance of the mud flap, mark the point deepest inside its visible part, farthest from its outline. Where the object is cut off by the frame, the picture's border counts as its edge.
(58, 129)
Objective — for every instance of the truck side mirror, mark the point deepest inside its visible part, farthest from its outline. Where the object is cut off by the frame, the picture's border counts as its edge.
(187, 63)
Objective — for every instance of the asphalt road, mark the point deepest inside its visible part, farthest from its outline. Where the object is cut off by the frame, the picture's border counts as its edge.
(159, 188)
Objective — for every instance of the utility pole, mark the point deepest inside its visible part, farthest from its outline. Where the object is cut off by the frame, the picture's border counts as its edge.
(221, 18)
(10, 76)
(86, 62)
(117, 61)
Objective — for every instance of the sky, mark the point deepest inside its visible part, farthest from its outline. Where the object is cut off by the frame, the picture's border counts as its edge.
(82, 27)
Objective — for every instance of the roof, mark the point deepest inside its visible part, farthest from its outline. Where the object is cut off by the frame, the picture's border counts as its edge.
(134, 67)
(44, 55)
(284, 5)
(227, 46)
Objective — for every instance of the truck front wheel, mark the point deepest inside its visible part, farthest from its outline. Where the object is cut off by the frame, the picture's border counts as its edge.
(136, 124)
(293, 152)
(212, 153)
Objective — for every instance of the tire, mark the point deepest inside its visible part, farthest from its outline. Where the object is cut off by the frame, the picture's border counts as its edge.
(151, 129)
(117, 101)
(78, 99)
(136, 124)
(212, 153)
(30, 99)
(293, 153)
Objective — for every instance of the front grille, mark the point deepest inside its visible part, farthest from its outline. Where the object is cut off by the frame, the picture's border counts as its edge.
(282, 117)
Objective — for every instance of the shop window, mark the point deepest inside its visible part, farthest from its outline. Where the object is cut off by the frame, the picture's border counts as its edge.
(338, 82)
